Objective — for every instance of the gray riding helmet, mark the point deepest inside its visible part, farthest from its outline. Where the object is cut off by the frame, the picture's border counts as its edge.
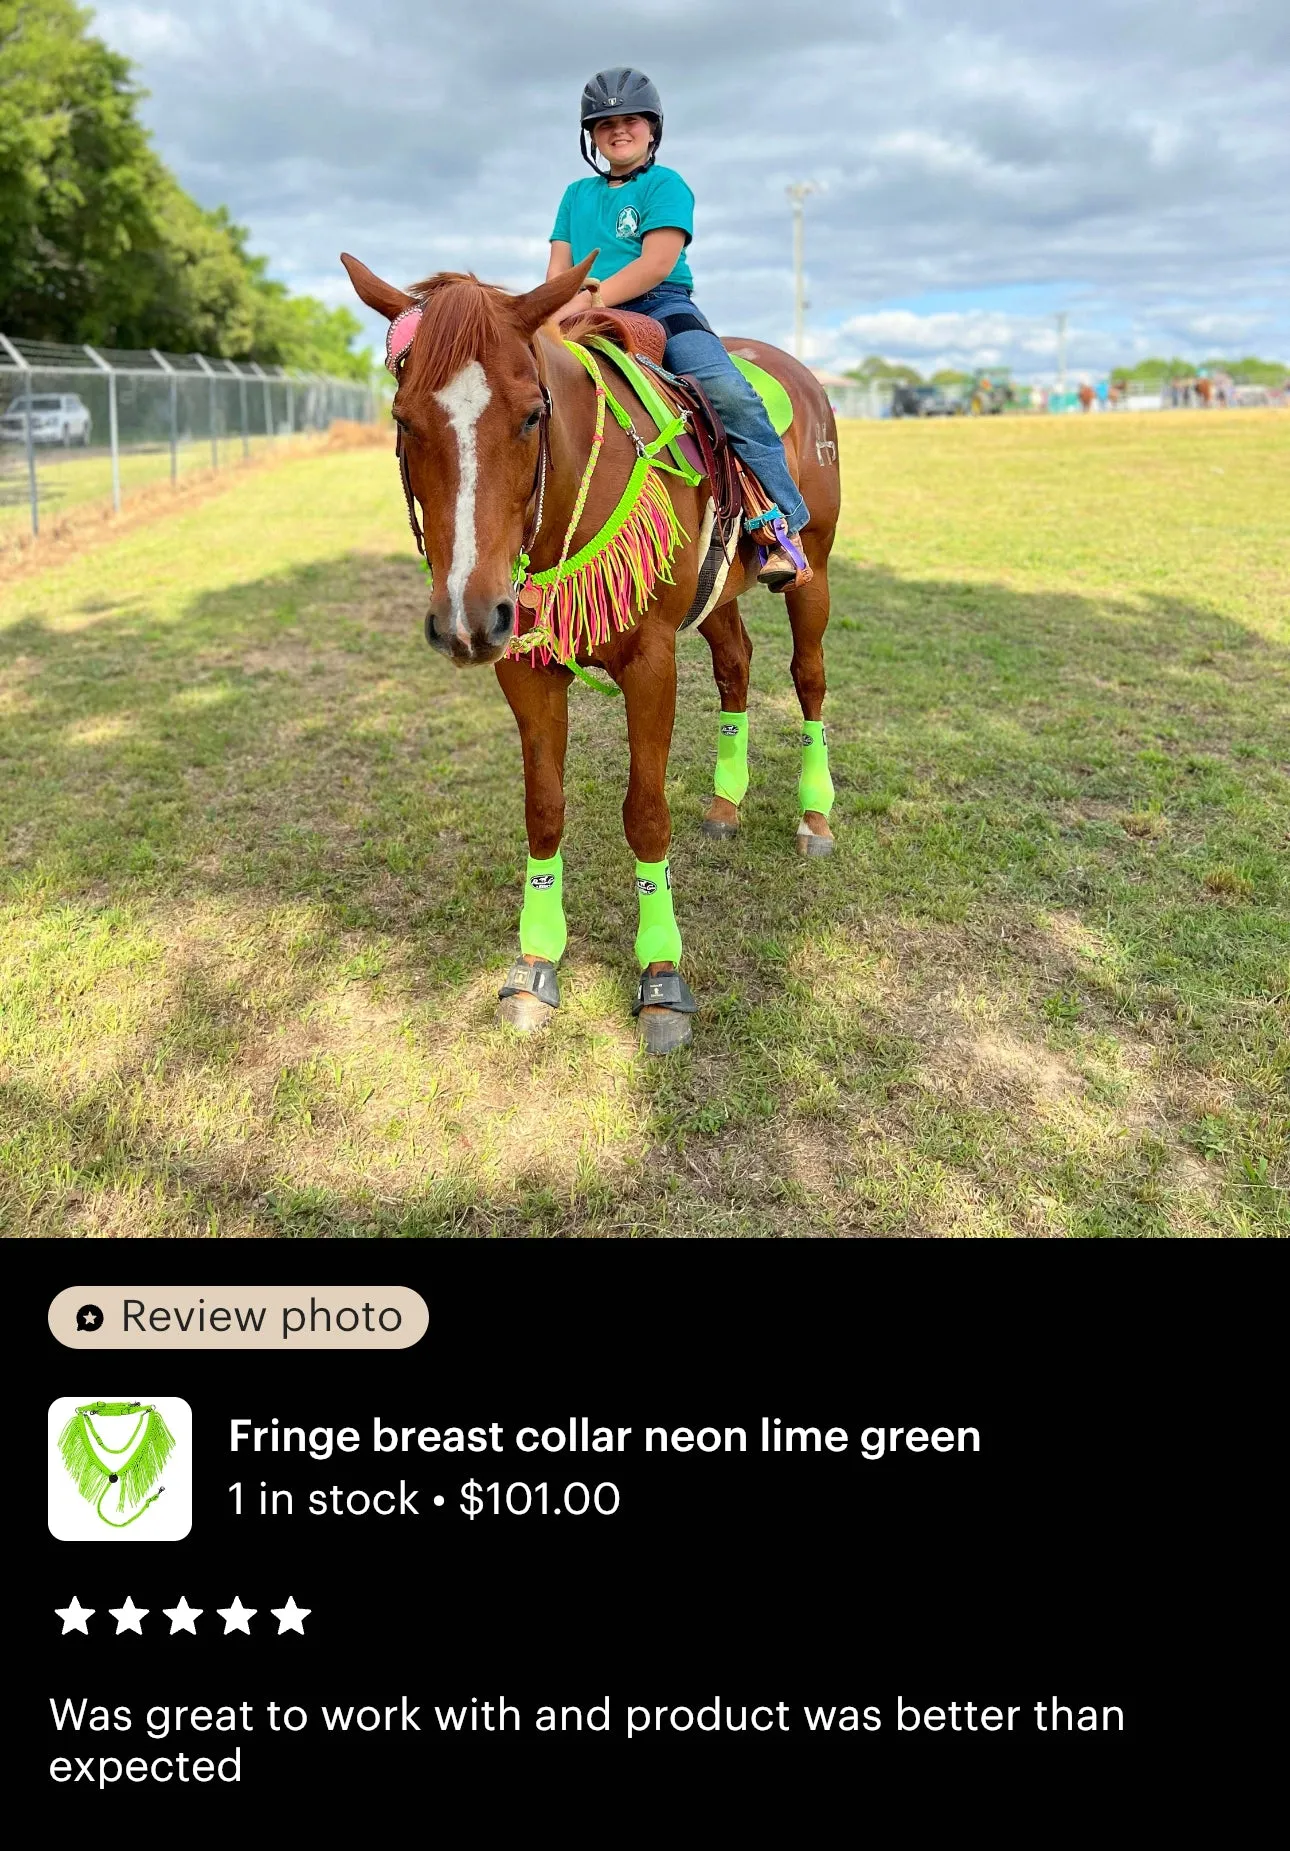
(620, 91)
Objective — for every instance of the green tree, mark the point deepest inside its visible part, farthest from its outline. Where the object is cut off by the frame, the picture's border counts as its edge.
(875, 367)
(77, 173)
(1252, 372)
(301, 331)
(1151, 373)
(100, 243)
(204, 293)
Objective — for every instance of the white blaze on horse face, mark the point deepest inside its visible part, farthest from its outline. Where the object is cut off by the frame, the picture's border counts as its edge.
(464, 399)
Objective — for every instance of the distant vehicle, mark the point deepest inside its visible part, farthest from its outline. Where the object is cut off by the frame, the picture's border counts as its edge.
(56, 417)
(923, 402)
(988, 396)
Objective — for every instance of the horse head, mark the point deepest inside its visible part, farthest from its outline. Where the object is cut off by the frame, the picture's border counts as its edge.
(469, 408)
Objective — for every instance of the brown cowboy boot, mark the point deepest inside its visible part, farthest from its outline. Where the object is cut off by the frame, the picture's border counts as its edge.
(784, 564)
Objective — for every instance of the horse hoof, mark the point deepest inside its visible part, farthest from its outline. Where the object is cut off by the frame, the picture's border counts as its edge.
(525, 1013)
(664, 1030)
(721, 820)
(810, 843)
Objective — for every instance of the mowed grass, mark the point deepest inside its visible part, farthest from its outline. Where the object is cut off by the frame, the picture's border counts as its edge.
(70, 479)
(263, 855)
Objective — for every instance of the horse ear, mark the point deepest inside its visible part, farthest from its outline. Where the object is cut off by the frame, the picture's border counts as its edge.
(378, 295)
(540, 304)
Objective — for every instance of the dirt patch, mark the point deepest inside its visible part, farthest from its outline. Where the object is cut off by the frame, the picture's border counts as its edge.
(997, 1069)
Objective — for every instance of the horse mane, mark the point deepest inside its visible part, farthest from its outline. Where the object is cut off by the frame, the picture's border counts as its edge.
(462, 320)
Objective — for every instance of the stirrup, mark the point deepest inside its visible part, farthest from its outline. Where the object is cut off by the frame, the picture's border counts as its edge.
(532, 980)
(668, 990)
(784, 564)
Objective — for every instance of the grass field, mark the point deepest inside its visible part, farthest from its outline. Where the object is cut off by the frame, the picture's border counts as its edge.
(70, 479)
(263, 855)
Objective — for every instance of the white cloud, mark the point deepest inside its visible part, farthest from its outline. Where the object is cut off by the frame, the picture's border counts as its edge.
(960, 331)
(1133, 153)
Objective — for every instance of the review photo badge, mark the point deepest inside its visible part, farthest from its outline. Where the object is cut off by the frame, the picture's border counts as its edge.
(120, 1470)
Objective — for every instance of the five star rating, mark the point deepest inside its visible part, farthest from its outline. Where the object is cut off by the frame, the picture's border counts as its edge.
(183, 1618)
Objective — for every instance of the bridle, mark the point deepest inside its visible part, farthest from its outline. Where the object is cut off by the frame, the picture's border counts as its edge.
(398, 345)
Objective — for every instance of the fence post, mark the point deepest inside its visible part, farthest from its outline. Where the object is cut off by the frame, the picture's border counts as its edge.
(101, 363)
(210, 376)
(174, 413)
(268, 402)
(18, 361)
(241, 390)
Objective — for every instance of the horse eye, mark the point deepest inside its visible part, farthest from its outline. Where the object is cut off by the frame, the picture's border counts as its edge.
(530, 423)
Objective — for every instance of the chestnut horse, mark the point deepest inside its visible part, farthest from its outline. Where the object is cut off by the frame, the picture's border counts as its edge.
(481, 369)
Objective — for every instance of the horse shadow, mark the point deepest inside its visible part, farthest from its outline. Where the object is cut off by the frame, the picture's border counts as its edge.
(268, 858)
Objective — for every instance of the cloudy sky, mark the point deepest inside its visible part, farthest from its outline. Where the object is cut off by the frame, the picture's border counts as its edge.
(981, 164)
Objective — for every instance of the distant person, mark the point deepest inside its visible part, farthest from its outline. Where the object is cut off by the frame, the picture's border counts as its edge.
(1086, 395)
(1103, 393)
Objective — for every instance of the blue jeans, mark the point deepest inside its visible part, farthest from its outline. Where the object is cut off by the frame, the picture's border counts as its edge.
(694, 348)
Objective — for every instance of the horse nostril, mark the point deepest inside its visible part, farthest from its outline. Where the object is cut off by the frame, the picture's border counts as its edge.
(432, 635)
(503, 620)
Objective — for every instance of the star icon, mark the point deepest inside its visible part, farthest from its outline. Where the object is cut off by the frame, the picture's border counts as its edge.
(129, 1618)
(290, 1618)
(237, 1618)
(183, 1618)
(75, 1618)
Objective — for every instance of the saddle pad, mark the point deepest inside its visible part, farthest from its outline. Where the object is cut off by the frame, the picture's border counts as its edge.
(779, 406)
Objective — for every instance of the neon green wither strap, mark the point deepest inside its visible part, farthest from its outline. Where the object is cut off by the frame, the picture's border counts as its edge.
(815, 786)
(149, 1446)
(658, 940)
(543, 932)
(731, 780)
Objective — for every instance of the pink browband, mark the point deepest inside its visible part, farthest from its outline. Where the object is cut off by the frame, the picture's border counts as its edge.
(400, 336)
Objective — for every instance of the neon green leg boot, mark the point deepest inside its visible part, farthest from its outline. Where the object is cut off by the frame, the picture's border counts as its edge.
(815, 791)
(731, 779)
(664, 1003)
(531, 994)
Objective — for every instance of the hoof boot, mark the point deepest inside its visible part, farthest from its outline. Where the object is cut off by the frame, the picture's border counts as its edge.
(663, 1031)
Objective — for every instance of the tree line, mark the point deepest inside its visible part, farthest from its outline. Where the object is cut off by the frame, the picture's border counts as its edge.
(98, 240)
(1148, 375)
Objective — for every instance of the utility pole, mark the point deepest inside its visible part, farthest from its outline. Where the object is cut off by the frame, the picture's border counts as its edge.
(797, 192)
(1061, 352)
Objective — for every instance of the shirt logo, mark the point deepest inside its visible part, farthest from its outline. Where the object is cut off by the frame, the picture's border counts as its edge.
(629, 222)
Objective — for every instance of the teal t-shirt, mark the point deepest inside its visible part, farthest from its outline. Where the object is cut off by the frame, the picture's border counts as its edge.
(614, 219)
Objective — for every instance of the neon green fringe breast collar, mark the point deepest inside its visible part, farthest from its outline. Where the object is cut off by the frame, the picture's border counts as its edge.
(608, 582)
(149, 1446)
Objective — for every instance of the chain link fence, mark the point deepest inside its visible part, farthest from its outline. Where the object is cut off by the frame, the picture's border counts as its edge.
(80, 424)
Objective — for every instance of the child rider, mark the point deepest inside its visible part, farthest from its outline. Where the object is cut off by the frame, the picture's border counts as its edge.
(641, 216)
